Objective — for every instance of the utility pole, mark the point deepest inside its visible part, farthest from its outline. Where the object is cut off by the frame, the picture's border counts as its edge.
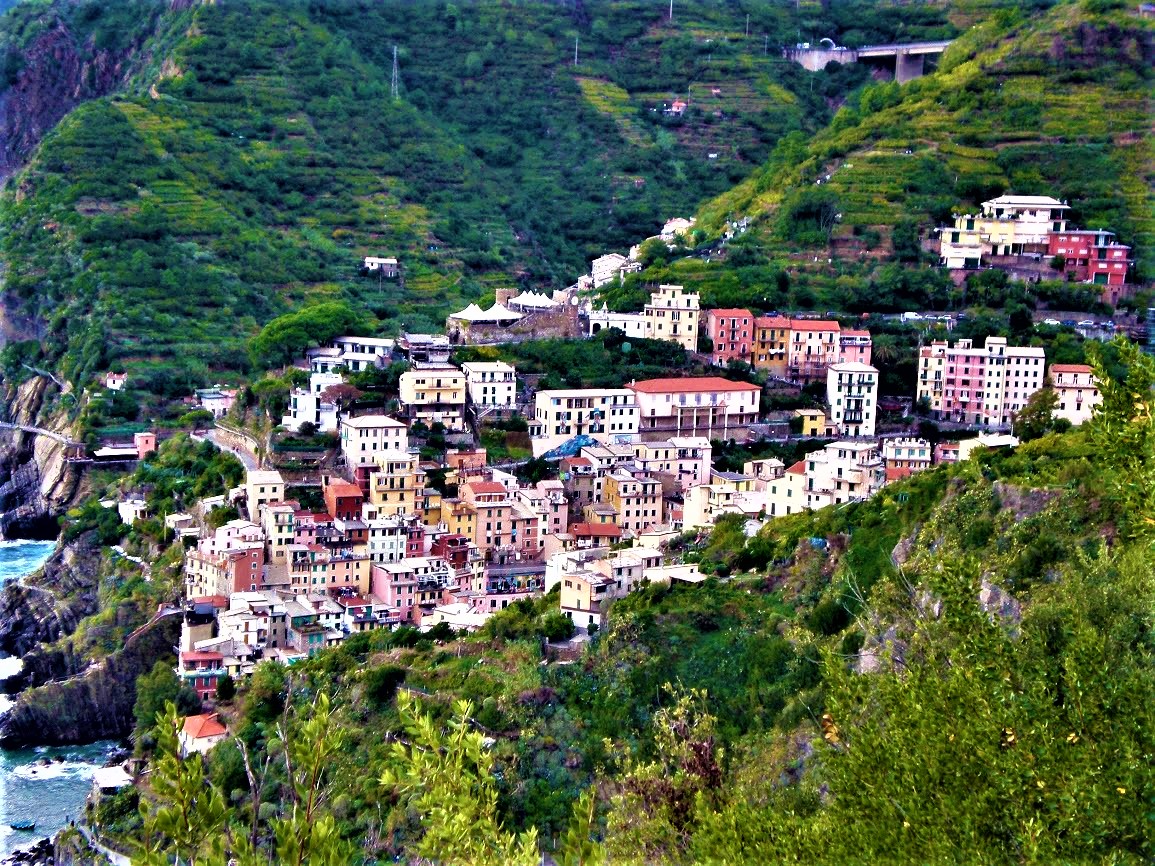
(766, 44)
(671, 10)
(575, 51)
(395, 84)
(747, 25)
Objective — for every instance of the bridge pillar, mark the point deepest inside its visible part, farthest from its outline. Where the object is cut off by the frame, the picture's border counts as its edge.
(908, 66)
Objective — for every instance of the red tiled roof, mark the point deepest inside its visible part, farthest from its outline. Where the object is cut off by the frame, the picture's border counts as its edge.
(856, 333)
(576, 461)
(200, 656)
(813, 325)
(486, 487)
(205, 725)
(772, 322)
(604, 530)
(695, 383)
(896, 473)
(344, 488)
(733, 313)
(214, 600)
(1071, 368)
(798, 468)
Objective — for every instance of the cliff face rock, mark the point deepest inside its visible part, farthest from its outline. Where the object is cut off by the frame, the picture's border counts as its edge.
(51, 604)
(94, 706)
(38, 481)
(59, 72)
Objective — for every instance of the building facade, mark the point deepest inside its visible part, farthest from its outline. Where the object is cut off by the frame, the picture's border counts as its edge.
(1078, 394)
(985, 387)
(852, 394)
(706, 406)
(731, 333)
(672, 314)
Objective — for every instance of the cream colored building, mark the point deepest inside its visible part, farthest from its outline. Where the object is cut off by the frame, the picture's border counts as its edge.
(637, 499)
(366, 436)
(706, 406)
(604, 414)
(685, 459)
(852, 395)
(727, 493)
(434, 393)
(1009, 225)
(672, 314)
(1078, 394)
(261, 487)
(491, 384)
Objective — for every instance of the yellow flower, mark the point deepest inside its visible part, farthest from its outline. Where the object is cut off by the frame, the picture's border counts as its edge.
(1121, 790)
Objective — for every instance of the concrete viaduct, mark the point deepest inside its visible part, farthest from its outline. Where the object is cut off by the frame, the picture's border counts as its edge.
(908, 58)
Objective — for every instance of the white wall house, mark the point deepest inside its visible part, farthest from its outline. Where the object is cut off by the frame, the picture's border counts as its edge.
(491, 383)
(852, 394)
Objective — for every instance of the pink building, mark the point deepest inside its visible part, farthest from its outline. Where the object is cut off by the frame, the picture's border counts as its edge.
(813, 346)
(855, 347)
(984, 387)
(731, 332)
(413, 585)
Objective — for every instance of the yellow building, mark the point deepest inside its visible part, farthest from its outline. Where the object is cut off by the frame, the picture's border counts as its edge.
(727, 493)
(1009, 225)
(771, 344)
(398, 484)
(637, 500)
(813, 421)
(434, 393)
(672, 314)
(460, 517)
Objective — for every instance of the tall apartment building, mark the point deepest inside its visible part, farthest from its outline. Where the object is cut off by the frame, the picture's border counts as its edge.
(434, 393)
(985, 387)
(365, 436)
(731, 333)
(852, 394)
(1093, 257)
(491, 384)
(672, 314)
(801, 350)
(636, 497)
(605, 414)
(708, 406)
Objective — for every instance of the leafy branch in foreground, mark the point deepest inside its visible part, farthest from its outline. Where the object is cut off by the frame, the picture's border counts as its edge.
(445, 776)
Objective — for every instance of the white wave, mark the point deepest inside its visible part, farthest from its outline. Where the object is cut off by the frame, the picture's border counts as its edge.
(54, 770)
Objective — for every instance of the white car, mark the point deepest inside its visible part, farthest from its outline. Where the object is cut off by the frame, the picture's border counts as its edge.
(1054, 322)
(1086, 323)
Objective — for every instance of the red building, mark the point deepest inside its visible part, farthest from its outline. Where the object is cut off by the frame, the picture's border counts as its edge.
(732, 333)
(1093, 257)
(342, 499)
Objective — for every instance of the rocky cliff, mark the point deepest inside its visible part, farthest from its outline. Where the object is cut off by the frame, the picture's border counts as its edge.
(95, 705)
(38, 481)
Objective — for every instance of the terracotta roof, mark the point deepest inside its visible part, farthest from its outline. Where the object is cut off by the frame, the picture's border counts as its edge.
(856, 333)
(205, 725)
(603, 530)
(576, 461)
(200, 656)
(897, 473)
(798, 468)
(344, 488)
(214, 600)
(486, 487)
(696, 383)
(731, 313)
(813, 325)
(1071, 368)
(771, 322)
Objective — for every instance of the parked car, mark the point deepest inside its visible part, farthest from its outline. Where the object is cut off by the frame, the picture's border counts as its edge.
(1086, 323)
(1051, 322)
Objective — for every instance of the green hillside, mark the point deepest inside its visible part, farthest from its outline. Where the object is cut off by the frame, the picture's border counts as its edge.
(957, 670)
(1052, 102)
(260, 153)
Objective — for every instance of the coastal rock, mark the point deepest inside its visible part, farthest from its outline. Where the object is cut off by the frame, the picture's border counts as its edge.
(95, 705)
(50, 604)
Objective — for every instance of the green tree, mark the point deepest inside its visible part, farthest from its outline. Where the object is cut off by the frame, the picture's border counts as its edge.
(445, 776)
(1037, 417)
(158, 688)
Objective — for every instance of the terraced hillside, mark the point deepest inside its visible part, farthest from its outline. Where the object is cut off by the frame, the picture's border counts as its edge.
(1058, 102)
(261, 150)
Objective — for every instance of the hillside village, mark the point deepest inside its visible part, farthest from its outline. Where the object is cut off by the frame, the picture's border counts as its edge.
(631, 470)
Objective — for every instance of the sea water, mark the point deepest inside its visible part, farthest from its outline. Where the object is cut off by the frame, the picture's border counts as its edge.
(45, 784)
